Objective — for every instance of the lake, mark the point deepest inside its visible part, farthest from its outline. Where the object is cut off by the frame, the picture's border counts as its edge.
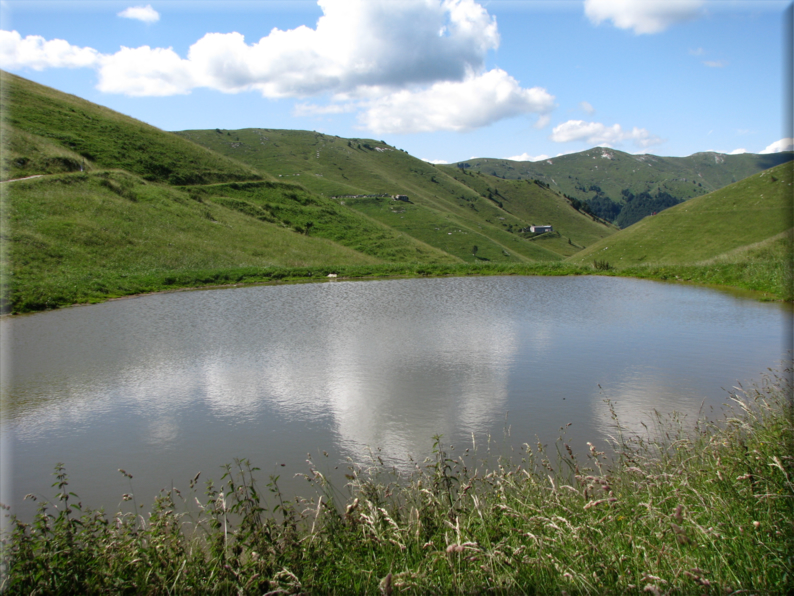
(168, 385)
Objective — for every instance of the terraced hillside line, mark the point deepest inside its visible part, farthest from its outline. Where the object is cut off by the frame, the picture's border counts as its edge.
(294, 207)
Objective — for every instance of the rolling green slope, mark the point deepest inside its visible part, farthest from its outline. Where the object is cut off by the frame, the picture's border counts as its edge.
(151, 206)
(118, 207)
(24, 154)
(83, 236)
(40, 120)
(624, 188)
(533, 202)
(720, 223)
(46, 132)
(306, 213)
(444, 211)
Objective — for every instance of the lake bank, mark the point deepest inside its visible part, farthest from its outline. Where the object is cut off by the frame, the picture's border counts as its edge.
(763, 280)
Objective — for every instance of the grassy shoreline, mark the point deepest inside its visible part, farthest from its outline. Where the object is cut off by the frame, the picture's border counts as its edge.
(765, 281)
(687, 508)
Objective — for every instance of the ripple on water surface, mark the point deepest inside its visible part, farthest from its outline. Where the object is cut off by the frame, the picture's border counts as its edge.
(170, 384)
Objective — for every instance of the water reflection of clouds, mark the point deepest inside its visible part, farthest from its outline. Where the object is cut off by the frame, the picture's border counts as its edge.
(387, 364)
(163, 431)
(643, 393)
(389, 373)
(389, 369)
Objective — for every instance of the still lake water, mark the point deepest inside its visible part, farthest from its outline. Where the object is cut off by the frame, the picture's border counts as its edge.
(168, 385)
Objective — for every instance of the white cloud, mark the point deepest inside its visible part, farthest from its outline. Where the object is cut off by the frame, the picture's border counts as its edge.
(643, 16)
(738, 151)
(145, 71)
(356, 43)
(587, 107)
(600, 134)
(37, 53)
(141, 13)
(310, 109)
(408, 66)
(435, 161)
(455, 106)
(527, 157)
(781, 145)
(715, 63)
(697, 52)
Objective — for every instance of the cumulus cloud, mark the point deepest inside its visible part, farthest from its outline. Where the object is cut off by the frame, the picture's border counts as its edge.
(141, 13)
(786, 144)
(37, 53)
(356, 43)
(738, 151)
(455, 106)
(587, 107)
(600, 134)
(527, 157)
(436, 161)
(643, 16)
(408, 66)
(145, 71)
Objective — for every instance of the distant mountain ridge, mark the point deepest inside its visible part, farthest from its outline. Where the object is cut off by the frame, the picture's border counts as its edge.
(624, 188)
(750, 215)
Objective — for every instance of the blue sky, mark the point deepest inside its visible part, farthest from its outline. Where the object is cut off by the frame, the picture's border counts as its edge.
(446, 80)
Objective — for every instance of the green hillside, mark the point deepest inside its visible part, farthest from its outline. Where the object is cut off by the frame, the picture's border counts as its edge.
(47, 118)
(532, 201)
(78, 237)
(448, 211)
(721, 223)
(151, 208)
(309, 214)
(117, 207)
(624, 188)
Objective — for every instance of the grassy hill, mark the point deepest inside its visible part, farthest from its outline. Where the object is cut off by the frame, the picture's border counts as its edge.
(741, 214)
(307, 213)
(151, 209)
(532, 201)
(85, 236)
(624, 188)
(450, 212)
(44, 122)
(119, 207)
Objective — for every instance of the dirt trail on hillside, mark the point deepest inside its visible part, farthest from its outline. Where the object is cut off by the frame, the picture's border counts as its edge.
(26, 178)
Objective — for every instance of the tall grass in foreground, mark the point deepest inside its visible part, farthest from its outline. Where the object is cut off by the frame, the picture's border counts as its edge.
(687, 508)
